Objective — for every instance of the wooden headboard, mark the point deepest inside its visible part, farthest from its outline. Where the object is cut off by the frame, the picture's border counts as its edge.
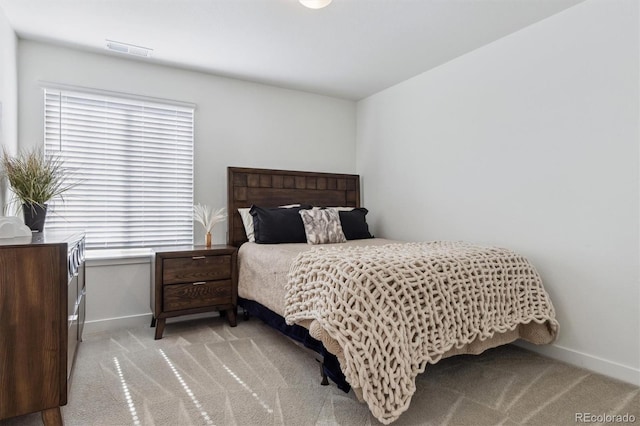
(272, 188)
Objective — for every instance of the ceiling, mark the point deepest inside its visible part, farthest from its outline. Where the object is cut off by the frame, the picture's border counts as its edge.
(350, 49)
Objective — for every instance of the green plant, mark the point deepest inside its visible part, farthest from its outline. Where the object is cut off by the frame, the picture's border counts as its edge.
(34, 177)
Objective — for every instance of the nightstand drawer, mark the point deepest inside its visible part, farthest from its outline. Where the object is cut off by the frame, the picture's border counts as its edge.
(196, 268)
(197, 295)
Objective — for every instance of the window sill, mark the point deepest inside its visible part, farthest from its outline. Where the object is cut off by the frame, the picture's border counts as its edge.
(109, 257)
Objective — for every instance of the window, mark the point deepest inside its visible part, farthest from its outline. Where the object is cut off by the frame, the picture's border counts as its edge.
(133, 159)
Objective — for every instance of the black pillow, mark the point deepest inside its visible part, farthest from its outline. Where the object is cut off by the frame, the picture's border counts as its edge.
(354, 224)
(278, 225)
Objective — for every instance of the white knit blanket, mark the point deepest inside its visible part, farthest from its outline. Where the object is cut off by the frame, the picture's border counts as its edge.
(387, 311)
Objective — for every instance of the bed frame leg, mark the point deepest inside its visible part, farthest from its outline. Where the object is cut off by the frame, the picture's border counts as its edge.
(325, 380)
(245, 314)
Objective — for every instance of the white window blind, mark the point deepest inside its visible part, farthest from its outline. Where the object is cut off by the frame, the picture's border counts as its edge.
(133, 160)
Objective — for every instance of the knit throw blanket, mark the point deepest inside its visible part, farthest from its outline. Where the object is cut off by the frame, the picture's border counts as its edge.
(387, 311)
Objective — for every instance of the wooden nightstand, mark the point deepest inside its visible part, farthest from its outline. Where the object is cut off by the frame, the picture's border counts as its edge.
(191, 280)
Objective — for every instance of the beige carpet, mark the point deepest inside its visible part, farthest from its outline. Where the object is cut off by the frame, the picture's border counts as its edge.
(205, 372)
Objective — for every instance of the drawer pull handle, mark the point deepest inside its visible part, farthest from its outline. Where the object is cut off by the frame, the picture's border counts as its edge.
(199, 283)
(198, 257)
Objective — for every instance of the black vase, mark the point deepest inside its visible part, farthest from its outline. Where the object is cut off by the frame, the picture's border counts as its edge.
(34, 216)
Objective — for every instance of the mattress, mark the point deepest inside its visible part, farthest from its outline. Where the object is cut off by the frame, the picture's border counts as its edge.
(264, 269)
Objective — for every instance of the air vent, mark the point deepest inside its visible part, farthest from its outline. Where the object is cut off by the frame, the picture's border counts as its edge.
(128, 49)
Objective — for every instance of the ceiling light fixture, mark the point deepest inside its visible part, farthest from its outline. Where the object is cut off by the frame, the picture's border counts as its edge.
(129, 49)
(315, 4)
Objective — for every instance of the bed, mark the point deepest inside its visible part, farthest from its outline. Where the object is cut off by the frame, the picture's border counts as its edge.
(365, 306)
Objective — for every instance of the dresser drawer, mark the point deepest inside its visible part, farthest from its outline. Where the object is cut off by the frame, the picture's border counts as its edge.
(72, 297)
(72, 343)
(187, 296)
(195, 268)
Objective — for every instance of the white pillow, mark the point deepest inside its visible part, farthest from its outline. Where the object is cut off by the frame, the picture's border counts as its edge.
(247, 221)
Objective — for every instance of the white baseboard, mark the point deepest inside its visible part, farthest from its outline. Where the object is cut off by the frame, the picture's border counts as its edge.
(113, 324)
(586, 361)
(133, 321)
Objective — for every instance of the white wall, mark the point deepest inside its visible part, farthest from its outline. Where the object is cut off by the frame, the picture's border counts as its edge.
(530, 143)
(8, 96)
(237, 123)
(118, 293)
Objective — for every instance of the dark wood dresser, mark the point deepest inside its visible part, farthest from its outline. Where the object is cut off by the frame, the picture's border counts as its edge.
(191, 280)
(42, 311)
